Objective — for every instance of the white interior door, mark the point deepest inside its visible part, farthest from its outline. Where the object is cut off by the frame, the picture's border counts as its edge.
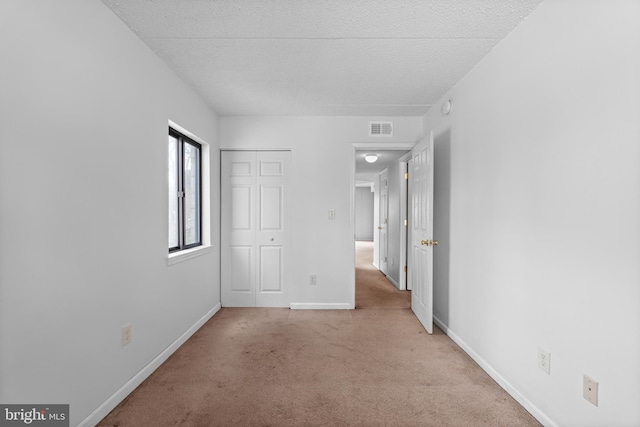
(421, 223)
(238, 231)
(255, 231)
(273, 237)
(383, 217)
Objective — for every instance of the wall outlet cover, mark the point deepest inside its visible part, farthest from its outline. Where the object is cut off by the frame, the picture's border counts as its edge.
(544, 361)
(590, 389)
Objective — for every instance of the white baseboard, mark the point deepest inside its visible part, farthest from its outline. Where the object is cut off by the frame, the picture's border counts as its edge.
(526, 403)
(441, 325)
(389, 278)
(113, 401)
(320, 306)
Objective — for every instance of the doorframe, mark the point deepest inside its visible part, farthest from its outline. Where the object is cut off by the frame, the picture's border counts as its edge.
(404, 214)
(357, 146)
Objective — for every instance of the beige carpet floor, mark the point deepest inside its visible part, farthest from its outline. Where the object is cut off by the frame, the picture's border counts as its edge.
(373, 366)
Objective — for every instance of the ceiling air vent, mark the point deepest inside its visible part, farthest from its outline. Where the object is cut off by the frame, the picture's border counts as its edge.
(380, 128)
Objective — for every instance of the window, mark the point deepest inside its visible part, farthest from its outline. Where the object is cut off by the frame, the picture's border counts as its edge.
(185, 192)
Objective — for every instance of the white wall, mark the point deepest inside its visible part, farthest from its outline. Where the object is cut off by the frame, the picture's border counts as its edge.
(441, 225)
(395, 225)
(322, 153)
(364, 214)
(545, 210)
(84, 112)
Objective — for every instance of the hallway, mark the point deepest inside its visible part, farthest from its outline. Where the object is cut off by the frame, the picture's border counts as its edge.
(373, 290)
(373, 366)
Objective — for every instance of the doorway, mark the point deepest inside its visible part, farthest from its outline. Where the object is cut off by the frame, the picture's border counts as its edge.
(388, 227)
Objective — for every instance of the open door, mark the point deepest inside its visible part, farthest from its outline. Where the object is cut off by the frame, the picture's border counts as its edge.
(421, 224)
(383, 217)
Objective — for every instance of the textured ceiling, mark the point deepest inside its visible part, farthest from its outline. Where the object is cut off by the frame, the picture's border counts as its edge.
(321, 57)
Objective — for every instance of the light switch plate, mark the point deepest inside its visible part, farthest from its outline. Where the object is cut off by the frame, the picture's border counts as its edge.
(126, 334)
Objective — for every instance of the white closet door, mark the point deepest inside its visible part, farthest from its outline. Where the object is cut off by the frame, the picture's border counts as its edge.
(255, 228)
(238, 206)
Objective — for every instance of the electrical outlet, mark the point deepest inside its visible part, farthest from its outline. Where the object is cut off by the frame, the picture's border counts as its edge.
(332, 214)
(312, 279)
(590, 389)
(126, 334)
(544, 361)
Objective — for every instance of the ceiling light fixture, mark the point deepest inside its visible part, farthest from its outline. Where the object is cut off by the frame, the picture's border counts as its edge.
(371, 157)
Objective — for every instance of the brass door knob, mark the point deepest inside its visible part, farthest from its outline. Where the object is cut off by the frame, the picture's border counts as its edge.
(424, 242)
(379, 227)
(434, 243)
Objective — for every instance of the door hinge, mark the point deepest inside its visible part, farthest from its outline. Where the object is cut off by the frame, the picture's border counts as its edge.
(406, 176)
(405, 268)
(406, 222)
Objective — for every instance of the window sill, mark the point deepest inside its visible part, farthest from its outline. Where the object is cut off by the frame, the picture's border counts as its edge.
(187, 254)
